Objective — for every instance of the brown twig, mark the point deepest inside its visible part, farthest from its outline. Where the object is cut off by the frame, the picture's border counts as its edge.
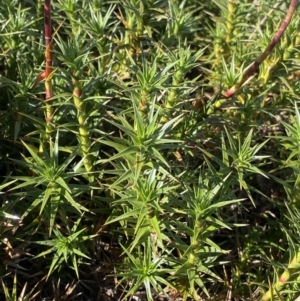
(292, 8)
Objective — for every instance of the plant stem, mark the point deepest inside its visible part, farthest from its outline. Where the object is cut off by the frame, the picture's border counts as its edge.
(48, 68)
(292, 8)
(83, 129)
(231, 6)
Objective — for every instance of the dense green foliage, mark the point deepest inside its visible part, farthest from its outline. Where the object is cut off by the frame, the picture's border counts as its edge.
(145, 177)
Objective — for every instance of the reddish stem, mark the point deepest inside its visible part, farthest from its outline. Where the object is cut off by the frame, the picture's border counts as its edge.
(49, 60)
(48, 37)
(292, 8)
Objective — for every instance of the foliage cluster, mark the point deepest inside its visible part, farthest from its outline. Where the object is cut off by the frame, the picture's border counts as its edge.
(135, 173)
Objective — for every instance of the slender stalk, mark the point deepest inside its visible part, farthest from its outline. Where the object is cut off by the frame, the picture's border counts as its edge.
(292, 8)
(39, 8)
(48, 68)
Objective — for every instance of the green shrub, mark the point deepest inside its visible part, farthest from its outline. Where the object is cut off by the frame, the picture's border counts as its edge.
(136, 153)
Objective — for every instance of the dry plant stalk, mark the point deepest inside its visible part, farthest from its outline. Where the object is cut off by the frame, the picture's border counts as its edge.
(292, 8)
